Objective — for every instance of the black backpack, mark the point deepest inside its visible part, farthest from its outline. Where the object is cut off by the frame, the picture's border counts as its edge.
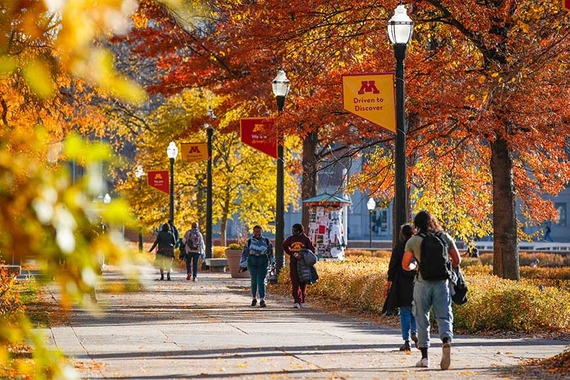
(435, 264)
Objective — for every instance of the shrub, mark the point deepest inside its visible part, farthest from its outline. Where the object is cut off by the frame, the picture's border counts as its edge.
(494, 304)
(526, 259)
(218, 252)
(368, 253)
(468, 262)
(499, 304)
(544, 259)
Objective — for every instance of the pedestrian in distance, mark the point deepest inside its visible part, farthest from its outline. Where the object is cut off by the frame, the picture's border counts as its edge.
(175, 232)
(547, 236)
(193, 243)
(472, 250)
(400, 289)
(257, 257)
(435, 252)
(165, 241)
(292, 246)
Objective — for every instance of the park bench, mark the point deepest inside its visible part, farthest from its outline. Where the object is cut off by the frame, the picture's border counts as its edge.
(217, 264)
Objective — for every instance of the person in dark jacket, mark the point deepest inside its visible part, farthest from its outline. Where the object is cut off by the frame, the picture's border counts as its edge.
(292, 246)
(400, 289)
(165, 241)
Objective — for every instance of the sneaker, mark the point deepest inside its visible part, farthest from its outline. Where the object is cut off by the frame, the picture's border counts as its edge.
(415, 340)
(253, 302)
(262, 303)
(188, 278)
(194, 279)
(297, 305)
(406, 346)
(446, 356)
(423, 363)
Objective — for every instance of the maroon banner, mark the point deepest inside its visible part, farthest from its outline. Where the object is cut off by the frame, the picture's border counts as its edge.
(258, 133)
(159, 180)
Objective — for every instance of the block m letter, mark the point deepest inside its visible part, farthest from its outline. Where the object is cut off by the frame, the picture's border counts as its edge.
(368, 86)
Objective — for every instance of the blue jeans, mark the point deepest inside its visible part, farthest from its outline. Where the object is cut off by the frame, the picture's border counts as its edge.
(257, 267)
(428, 294)
(192, 263)
(407, 322)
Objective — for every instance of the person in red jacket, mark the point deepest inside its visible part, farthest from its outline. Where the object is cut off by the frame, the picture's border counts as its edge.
(292, 246)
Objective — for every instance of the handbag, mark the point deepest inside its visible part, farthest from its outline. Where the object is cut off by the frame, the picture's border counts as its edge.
(168, 252)
(460, 288)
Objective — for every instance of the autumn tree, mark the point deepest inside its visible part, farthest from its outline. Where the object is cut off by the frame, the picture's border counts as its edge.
(485, 80)
(499, 91)
(243, 178)
(50, 73)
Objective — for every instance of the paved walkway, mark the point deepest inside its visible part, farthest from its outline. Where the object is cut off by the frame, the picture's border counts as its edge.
(207, 330)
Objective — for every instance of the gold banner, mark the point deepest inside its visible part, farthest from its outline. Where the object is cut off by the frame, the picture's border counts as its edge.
(192, 152)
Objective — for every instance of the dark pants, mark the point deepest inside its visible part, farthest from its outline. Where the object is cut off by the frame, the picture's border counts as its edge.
(298, 289)
(192, 263)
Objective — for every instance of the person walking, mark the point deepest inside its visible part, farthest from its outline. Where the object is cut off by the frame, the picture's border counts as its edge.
(292, 247)
(431, 293)
(193, 242)
(165, 252)
(547, 236)
(472, 250)
(257, 256)
(174, 230)
(400, 289)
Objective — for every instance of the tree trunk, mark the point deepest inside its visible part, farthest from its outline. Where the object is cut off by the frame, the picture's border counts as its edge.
(309, 182)
(223, 233)
(506, 255)
(224, 223)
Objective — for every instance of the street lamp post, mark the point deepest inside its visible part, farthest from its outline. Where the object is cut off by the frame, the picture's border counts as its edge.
(139, 173)
(280, 89)
(400, 29)
(172, 152)
(370, 205)
(209, 244)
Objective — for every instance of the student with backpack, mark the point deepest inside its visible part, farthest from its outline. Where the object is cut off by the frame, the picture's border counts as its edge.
(436, 254)
(257, 257)
(193, 242)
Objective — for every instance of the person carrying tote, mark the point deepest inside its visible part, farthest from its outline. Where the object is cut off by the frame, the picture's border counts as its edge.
(165, 241)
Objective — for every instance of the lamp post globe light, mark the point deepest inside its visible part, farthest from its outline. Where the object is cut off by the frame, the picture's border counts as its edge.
(172, 152)
(139, 173)
(400, 29)
(280, 89)
(209, 239)
(370, 205)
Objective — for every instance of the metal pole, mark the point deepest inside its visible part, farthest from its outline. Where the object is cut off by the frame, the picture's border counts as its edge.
(172, 189)
(280, 202)
(370, 226)
(140, 235)
(209, 243)
(400, 190)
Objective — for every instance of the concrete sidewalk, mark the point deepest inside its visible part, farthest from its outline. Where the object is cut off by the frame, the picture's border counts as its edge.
(207, 330)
